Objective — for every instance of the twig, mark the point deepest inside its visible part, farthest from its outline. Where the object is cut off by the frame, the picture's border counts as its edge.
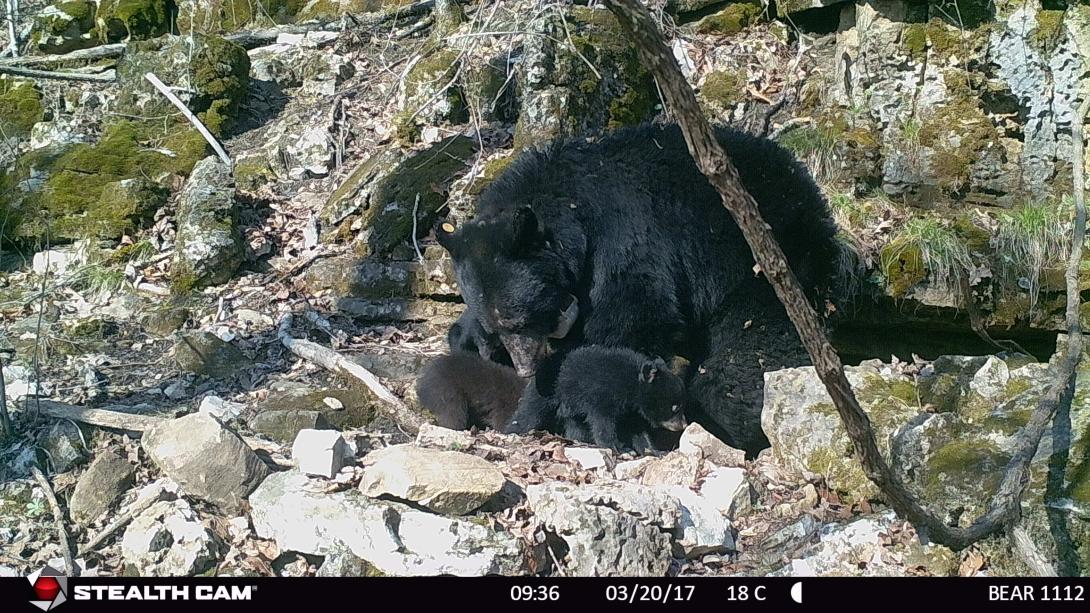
(715, 164)
(104, 77)
(58, 520)
(101, 52)
(163, 89)
(5, 418)
(337, 363)
(103, 418)
(13, 36)
(416, 245)
(118, 523)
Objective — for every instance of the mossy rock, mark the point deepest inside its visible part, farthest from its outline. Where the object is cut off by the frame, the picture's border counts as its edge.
(64, 26)
(219, 74)
(731, 20)
(383, 191)
(225, 16)
(432, 94)
(166, 319)
(208, 247)
(957, 132)
(205, 353)
(332, 9)
(565, 96)
(119, 20)
(20, 107)
(284, 426)
(102, 190)
(490, 172)
(21, 184)
(723, 90)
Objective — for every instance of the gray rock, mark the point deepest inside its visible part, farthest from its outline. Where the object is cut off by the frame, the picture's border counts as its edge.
(64, 446)
(284, 426)
(612, 528)
(59, 261)
(443, 481)
(590, 458)
(223, 410)
(169, 540)
(438, 437)
(382, 193)
(702, 528)
(209, 461)
(208, 246)
(728, 490)
(698, 442)
(344, 563)
(374, 278)
(205, 353)
(319, 452)
(393, 538)
(856, 549)
(107, 478)
(63, 27)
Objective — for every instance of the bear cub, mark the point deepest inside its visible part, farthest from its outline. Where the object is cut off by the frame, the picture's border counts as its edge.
(464, 390)
(614, 397)
(467, 334)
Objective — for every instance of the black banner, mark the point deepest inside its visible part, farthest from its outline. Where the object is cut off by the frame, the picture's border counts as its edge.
(272, 594)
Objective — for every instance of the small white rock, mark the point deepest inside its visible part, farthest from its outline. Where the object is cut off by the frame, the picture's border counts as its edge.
(590, 458)
(333, 403)
(177, 390)
(221, 409)
(319, 452)
(728, 490)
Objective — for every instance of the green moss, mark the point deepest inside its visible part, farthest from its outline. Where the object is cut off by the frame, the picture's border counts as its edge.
(723, 88)
(222, 76)
(20, 107)
(80, 10)
(81, 194)
(491, 170)
(914, 39)
(132, 19)
(809, 139)
(731, 20)
(957, 132)
(252, 172)
(223, 16)
(962, 464)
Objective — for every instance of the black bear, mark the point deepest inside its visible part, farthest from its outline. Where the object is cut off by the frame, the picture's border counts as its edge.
(467, 334)
(628, 238)
(615, 397)
(464, 390)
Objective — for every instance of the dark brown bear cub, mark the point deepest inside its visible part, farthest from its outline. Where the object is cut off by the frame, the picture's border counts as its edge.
(465, 390)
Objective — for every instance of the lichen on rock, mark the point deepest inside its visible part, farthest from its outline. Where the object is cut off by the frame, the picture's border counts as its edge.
(118, 20)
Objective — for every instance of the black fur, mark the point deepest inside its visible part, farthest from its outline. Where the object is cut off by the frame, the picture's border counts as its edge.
(465, 390)
(614, 397)
(632, 230)
(467, 334)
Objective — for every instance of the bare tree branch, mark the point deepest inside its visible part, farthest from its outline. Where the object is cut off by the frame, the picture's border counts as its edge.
(714, 162)
(58, 520)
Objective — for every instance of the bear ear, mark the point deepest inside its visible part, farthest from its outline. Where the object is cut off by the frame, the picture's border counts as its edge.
(444, 233)
(526, 231)
(648, 371)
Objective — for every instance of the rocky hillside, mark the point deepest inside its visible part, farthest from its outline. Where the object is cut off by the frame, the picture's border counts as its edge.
(144, 274)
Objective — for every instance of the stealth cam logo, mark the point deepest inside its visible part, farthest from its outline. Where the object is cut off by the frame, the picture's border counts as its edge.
(50, 586)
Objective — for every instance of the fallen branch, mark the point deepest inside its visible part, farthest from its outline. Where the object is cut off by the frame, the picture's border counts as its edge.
(163, 89)
(103, 418)
(5, 419)
(69, 75)
(334, 362)
(94, 54)
(118, 523)
(716, 165)
(71, 569)
(247, 40)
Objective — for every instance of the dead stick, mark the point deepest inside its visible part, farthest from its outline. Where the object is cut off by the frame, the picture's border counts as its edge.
(102, 418)
(118, 523)
(163, 89)
(104, 77)
(58, 520)
(716, 165)
(337, 363)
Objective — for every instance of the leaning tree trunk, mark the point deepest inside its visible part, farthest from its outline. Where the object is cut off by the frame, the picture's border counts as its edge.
(716, 165)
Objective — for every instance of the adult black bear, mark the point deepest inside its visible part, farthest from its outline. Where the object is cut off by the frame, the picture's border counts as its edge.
(631, 232)
(463, 390)
(616, 398)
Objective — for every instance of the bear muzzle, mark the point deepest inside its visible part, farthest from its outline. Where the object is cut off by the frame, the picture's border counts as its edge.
(525, 351)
